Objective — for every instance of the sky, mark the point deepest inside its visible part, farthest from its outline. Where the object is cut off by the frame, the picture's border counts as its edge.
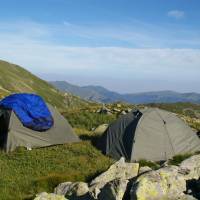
(124, 45)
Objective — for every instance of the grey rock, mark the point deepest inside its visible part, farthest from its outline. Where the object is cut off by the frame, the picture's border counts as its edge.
(101, 129)
(123, 113)
(104, 110)
(186, 197)
(165, 183)
(191, 167)
(116, 110)
(67, 189)
(63, 188)
(144, 169)
(128, 110)
(119, 170)
(113, 190)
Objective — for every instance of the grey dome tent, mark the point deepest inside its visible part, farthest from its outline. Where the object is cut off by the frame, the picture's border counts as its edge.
(151, 134)
(13, 134)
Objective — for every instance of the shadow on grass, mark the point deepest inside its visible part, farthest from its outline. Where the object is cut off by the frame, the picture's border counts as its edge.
(94, 139)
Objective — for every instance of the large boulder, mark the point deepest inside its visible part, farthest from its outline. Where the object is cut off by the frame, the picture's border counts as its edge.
(165, 183)
(187, 197)
(114, 190)
(77, 189)
(46, 196)
(191, 167)
(119, 170)
(144, 169)
(169, 182)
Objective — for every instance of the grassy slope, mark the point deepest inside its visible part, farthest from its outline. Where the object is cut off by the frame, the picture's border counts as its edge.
(25, 173)
(14, 78)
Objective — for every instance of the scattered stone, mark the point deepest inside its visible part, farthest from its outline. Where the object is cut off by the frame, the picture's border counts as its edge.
(46, 196)
(123, 113)
(119, 105)
(98, 111)
(104, 110)
(101, 129)
(113, 190)
(128, 110)
(116, 110)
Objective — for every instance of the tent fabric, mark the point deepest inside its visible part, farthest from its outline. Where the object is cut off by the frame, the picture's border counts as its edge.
(30, 109)
(13, 134)
(151, 134)
(118, 139)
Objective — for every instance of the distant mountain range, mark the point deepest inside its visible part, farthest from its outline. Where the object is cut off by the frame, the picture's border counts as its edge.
(101, 94)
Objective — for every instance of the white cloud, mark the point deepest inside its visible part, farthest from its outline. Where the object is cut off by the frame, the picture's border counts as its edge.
(31, 50)
(114, 61)
(178, 14)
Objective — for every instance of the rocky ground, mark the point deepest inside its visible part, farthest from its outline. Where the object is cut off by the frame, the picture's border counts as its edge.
(129, 181)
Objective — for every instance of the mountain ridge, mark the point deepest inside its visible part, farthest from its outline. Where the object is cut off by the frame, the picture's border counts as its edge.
(103, 95)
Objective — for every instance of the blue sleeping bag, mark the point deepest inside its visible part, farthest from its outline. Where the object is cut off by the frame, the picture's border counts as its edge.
(30, 109)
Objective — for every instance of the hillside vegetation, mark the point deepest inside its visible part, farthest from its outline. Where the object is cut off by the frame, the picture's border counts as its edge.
(14, 79)
(26, 173)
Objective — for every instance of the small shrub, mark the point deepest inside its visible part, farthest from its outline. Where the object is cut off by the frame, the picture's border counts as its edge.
(87, 120)
(176, 160)
(150, 164)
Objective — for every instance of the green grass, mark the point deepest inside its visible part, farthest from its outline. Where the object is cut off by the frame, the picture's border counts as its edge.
(25, 173)
(152, 165)
(87, 120)
(176, 160)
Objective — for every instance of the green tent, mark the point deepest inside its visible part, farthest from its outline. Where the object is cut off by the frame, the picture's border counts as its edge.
(13, 134)
(151, 134)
